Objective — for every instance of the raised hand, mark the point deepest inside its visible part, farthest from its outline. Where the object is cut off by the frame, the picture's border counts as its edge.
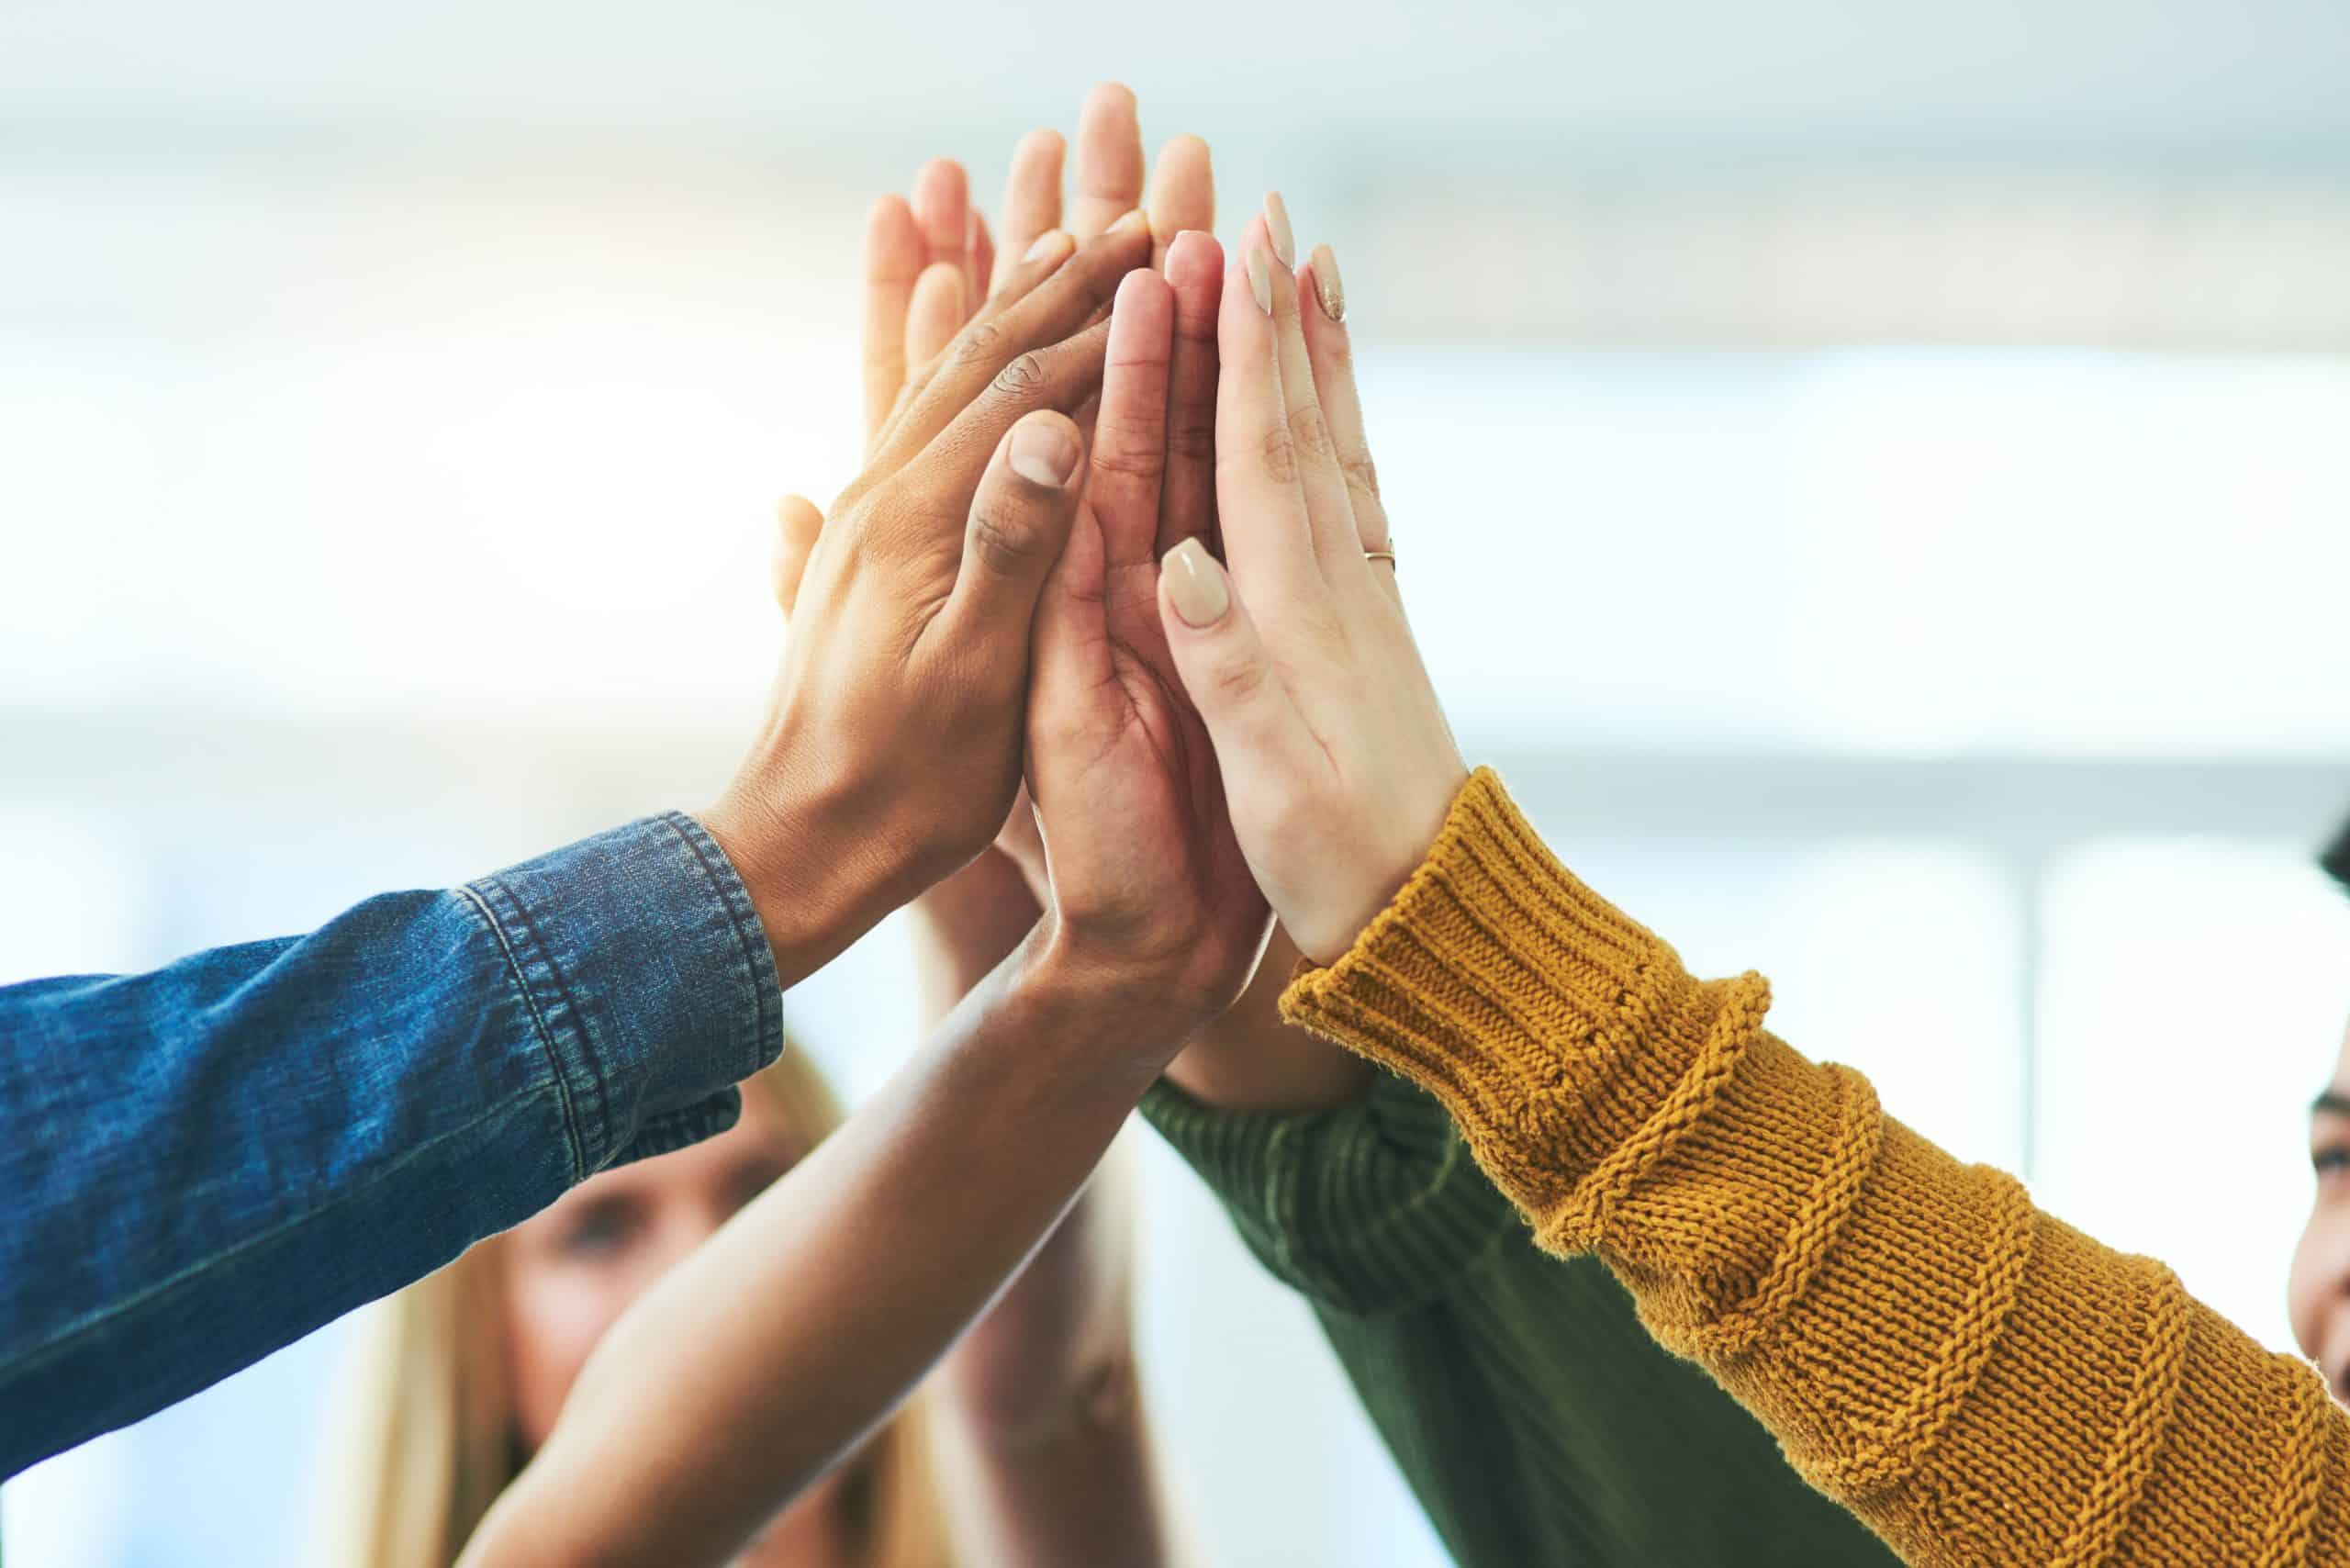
(931, 261)
(1151, 894)
(926, 258)
(1334, 751)
(892, 747)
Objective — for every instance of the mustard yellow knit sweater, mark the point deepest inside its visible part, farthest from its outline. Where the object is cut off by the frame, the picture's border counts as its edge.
(1978, 1382)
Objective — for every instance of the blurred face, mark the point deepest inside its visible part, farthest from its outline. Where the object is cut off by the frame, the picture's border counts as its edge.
(2320, 1291)
(567, 1274)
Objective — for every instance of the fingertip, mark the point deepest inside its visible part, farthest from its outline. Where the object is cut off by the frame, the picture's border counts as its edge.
(1193, 257)
(1038, 145)
(1044, 449)
(798, 517)
(1319, 275)
(1106, 98)
(1192, 584)
(1185, 147)
(940, 179)
(1140, 290)
(938, 307)
(798, 524)
(1142, 318)
(891, 232)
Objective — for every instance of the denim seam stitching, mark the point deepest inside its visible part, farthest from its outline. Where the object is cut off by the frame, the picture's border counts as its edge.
(544, 1032)
(726, 888)
(594, 1069)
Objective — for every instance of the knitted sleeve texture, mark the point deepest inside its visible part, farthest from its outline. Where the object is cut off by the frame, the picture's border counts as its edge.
(1978, 1382)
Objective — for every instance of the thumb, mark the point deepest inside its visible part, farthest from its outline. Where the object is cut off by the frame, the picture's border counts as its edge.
(1020, 521)
(798, 523)
(1221, 660)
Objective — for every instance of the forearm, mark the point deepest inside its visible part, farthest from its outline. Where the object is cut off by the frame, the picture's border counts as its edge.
(1251, 1060)
(765, 1358)
(221, 1155)
(1976, 1381)
(1045, 1450)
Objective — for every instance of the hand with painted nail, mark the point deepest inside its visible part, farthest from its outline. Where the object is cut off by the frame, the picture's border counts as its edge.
(893, 747)
(1151, 897)
(1335, 753)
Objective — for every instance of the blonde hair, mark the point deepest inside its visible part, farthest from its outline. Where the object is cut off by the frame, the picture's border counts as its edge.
(427, 1431)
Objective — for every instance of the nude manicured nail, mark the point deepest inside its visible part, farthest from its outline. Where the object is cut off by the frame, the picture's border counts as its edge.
(1042, 453)
(1135, 222)
(1260, 278)
(1195, 584)
(1277, 230)
(1328, 286)
(1050, 241)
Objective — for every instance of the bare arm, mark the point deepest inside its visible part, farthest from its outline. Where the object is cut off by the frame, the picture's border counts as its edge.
(769, 1355)
(846, 1279)
(1046, 1446)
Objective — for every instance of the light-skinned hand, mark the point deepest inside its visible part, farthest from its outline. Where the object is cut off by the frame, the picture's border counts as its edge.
(1334, 751)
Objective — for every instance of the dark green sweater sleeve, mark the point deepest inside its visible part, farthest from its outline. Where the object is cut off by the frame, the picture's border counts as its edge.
(1533, 1417)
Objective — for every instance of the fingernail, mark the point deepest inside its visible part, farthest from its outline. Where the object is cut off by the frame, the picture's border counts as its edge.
(1260, 278)
(1328, 286)
(1195, 584)
(1042, 453)
(1051, 240)
(1135, 222)
(1277, 230)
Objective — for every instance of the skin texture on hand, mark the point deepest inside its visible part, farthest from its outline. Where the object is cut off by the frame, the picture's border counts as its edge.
(922, 256)
(1335, 752)
(1148, 882)
(913, 612)
(1248, 1059)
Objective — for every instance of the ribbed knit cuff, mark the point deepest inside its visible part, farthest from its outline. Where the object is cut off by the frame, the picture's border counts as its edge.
(1366, 1208)
(1565, 1039)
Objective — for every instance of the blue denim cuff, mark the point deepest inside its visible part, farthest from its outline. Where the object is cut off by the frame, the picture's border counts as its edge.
(648, 979)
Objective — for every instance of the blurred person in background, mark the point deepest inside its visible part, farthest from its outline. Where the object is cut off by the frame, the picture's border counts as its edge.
(2319, 1292)
(1036, 1414)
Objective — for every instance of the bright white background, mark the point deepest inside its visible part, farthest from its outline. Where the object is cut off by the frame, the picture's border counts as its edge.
(1880, 496)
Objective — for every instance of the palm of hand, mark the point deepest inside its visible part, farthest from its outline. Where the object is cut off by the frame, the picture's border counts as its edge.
(1145, 867)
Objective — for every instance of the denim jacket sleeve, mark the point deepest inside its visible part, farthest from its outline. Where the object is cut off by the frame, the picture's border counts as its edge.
(205, 1162)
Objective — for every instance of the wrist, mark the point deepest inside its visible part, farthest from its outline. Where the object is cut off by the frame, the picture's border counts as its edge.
(1134, 1024)
(817, 878)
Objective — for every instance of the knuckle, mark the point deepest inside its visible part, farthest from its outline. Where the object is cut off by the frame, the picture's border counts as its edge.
(1309, 431)
(1139, 460)
(979, 339)
(1023, 377)
(1006, 539)
(1362, 474)
(1191, 439)
(1238, 680)
(1278, 454)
